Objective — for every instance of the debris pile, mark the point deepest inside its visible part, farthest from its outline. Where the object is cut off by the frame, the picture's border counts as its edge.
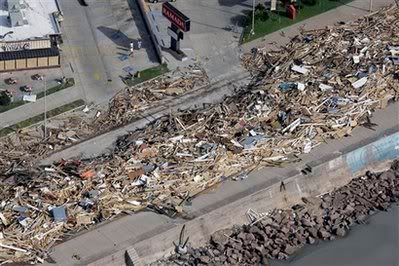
(307, 93)
(27, 145)
(281, 233)
(125, 105)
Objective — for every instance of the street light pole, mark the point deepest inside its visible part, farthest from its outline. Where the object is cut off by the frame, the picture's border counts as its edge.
(371, 5)
(45, 107)
(253, 18)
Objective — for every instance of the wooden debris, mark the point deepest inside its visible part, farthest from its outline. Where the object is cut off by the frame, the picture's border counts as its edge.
(268, 123)
(28, 144)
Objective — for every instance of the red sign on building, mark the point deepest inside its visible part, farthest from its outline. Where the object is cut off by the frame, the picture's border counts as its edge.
(176, 17)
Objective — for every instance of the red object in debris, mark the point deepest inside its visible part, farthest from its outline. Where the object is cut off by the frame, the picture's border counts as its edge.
(291, 11)
(89, 174)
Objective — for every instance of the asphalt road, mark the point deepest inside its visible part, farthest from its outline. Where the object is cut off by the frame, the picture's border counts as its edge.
(80, 47)
(97, 40)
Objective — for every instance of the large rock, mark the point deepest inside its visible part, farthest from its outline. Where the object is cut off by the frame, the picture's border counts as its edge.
(275, 252)
(323, 234)
(307, 223)
(310, 240)
(312, 231)
(204, 259)
(220, 237)
(340, 231)
(290, 249)
(395, 165)
(282, 256)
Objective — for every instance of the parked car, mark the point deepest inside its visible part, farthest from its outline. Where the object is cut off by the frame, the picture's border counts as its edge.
(11, 81)
(37, 77)
(26, 88)
(161, 1)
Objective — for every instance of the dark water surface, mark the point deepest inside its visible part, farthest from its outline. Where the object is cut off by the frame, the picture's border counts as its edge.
(373, 244)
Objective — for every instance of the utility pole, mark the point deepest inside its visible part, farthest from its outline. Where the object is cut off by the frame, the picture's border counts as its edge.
(371, 6)
(45, 107)
(253, 18)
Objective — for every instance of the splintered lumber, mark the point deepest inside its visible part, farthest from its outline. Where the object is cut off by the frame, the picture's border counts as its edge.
(280, 115)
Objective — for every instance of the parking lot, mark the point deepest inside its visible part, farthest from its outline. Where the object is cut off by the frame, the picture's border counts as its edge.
(26, 78)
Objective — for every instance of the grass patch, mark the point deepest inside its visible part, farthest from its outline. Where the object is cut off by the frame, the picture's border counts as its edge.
(38, 118)
(69, 83)
(147, 74)
(4, 108)
(277, 20)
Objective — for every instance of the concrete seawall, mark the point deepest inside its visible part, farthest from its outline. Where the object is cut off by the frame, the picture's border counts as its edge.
(326, 176)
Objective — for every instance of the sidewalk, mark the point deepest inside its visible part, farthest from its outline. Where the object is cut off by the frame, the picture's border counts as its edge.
(29, 110)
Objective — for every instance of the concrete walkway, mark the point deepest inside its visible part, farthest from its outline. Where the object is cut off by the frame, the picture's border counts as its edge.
(29, 110)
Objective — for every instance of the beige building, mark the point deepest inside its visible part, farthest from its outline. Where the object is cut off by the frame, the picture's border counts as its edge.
(29, 33)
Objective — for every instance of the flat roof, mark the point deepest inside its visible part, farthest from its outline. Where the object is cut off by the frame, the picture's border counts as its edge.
(37, 13)
(45, 52)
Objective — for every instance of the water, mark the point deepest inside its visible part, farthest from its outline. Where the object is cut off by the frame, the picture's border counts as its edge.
(374, 244)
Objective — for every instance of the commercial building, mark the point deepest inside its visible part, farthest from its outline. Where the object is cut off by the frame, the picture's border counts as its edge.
(29, 34)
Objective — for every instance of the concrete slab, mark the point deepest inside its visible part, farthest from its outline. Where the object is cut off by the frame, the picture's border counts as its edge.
(214, 36)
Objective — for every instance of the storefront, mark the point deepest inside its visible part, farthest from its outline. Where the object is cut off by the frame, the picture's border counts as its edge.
(24, 55)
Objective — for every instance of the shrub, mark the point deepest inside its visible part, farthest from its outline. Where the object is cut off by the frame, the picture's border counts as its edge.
(261, 13)
(309, 2)
(4, 98)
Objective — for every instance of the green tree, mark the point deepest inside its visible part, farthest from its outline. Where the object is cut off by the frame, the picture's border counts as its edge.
(310, 2)
(261, 13)
(4, 98)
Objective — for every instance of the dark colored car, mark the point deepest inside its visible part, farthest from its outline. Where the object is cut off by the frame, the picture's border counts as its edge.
(160, 1)
(11, 81)
(26, 88)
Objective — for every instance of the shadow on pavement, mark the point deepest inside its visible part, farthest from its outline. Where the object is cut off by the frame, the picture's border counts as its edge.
(231, 3)
(118, 37)
(240, 20)
(83, 3)
(143, 31)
